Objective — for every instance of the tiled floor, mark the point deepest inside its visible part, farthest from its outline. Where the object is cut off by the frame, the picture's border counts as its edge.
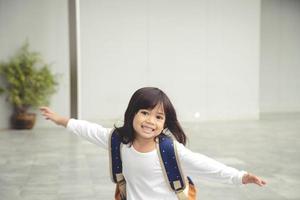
(53, 164)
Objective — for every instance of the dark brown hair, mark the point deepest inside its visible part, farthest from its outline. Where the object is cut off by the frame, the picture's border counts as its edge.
(148, 98)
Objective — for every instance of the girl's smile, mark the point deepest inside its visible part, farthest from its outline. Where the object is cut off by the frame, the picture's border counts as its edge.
(147, 129)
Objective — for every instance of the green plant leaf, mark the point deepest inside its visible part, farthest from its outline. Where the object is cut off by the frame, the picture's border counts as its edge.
(28, 80)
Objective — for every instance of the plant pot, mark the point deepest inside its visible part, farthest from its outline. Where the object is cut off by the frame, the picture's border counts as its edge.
(23, 120)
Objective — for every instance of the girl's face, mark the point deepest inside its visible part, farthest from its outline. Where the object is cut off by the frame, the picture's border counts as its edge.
(148, 123)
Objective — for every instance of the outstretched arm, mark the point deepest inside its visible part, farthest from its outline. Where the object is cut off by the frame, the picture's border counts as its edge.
(92, 132)
(205, 167)
(251, 178)
(50, 115)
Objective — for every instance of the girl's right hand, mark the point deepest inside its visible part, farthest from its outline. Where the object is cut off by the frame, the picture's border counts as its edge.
(50, 115)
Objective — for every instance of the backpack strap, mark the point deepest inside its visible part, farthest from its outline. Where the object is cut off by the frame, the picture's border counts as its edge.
(169, 161)
(114, 149)
(115, 157)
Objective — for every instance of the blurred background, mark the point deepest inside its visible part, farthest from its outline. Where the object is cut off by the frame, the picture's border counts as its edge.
(231, 69)
(215, 59)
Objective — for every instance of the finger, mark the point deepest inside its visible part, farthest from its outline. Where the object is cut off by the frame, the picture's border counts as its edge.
(260, 182)
(47, 115)
(46, 111)
(43, 108)
(43, 111)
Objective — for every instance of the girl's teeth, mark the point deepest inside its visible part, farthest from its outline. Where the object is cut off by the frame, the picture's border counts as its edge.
(147, 129)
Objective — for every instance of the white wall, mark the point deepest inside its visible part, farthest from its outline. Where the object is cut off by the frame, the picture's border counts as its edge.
(280, 60)
(45, 24)
(204, 54)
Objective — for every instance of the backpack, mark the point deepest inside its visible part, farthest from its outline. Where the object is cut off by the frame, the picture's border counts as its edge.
(181, 185)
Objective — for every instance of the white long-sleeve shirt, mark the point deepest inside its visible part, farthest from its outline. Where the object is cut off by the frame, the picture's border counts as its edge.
(142, 171)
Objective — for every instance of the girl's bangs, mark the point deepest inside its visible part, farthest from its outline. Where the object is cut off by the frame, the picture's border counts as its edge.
(149, 101)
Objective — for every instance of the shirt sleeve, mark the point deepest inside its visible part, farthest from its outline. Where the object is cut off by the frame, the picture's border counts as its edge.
(92, 132)
(195, 164)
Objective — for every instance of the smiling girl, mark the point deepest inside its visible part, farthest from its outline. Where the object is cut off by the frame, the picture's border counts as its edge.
(149, 114)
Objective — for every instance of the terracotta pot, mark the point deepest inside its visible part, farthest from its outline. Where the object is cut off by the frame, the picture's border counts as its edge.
(23, 120)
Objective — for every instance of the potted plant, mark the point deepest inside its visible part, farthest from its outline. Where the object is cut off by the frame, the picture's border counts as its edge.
(28, 83)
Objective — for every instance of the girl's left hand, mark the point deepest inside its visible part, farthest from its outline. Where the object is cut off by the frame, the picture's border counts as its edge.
(251, 178)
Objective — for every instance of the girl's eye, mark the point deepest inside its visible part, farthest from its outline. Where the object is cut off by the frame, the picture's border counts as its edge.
(159, 117)
(144, 112)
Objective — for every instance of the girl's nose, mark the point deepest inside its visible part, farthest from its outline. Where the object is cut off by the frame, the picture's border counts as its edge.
(150, 119)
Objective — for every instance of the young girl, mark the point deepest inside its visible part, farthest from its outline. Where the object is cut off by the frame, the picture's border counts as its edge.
(149, 114)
